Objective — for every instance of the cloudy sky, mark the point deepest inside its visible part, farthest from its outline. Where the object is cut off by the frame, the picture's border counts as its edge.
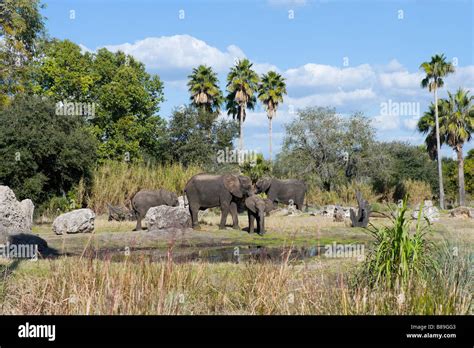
(355, 55)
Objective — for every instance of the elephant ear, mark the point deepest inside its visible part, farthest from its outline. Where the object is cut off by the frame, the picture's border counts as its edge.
(250, 204)
(264, 184)
(268, 206)
(232, 183)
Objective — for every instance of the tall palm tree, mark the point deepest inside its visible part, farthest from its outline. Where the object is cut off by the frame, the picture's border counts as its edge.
(435, 71)
(242, 83)
(459, 126)
(270, 92)
(203, 85)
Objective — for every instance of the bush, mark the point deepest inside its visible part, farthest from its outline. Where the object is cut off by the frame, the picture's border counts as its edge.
(117, 182)
(398, 254)
(417, 191)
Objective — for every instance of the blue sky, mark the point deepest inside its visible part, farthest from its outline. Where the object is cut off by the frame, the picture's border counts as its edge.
(354, 55)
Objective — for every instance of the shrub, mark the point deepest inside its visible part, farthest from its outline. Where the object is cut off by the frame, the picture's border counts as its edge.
(417, 191)
(397, 254)
(117, 182)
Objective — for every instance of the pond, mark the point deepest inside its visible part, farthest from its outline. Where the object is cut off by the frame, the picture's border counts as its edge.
(235, 254)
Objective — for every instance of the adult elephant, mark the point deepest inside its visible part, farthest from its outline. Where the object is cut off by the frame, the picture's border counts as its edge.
(205, 191)
(145, 199)
(282, 191)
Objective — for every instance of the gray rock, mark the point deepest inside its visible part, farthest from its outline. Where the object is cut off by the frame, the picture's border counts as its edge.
(429, 212)
(13, 214)
(463, 212)
(328, 210)
(163, 216)
(76, 221)
(182, 202)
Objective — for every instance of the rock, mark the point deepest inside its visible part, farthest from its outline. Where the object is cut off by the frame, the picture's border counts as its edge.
(338, 216)
(328, 210)
(119, 213)
(429, 212)
(279, 212)
(182, 202)
(163, 217)
(462, 212)
(76, 221)
(28, 210)
(13, 214)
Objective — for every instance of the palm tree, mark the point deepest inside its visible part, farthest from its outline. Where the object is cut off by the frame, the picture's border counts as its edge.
(203, 85)
(270, 92)
(459, 126)
(242, 83)
(435, 70)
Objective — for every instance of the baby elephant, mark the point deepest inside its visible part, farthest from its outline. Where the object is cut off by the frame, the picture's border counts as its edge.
(257, 207)
(144, 200)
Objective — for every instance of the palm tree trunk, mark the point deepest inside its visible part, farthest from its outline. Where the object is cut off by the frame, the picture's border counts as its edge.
(270, 137)
(462, 191)
(241, 135)
(438, 152)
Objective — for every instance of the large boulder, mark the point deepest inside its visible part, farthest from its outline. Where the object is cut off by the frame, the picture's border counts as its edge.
(462, 212)
(76, 221)
(182, 202)
(429, 212)
(163, 217)
(13, 214)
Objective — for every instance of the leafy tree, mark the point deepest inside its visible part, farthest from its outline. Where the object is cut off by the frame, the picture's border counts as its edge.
(242, 83)
(469, 170)
(43, 154)
(125, 96)
(188, 143)
(270, 92)
(257, 168)
(435, 71)
(326, 149)
(21, 27)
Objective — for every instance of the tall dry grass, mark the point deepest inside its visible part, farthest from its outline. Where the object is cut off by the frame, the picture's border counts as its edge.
(92, 286)
(344, 194)
(117, 182)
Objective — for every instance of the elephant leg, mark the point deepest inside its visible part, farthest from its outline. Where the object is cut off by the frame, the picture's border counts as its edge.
(139, 222)
(251, 219)
(235, 216)
(193, 211)
(224, 213)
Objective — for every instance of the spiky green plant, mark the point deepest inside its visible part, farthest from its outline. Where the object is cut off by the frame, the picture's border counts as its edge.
(398, 253)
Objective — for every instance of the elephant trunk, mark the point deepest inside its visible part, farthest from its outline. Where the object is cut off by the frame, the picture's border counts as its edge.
(262, 223)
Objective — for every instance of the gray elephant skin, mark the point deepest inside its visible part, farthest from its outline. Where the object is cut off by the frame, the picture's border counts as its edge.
(145, 199)
(257, 208)
(282, 191)
(205, 191)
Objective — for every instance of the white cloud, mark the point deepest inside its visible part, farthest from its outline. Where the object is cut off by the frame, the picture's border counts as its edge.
(410, 123)
(386, 122)
(179, 52)
(319, 75)
(336, 98)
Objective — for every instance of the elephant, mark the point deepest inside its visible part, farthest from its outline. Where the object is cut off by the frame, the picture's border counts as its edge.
(205, 191)
(257, 208)
(282, 191)
(145, 199)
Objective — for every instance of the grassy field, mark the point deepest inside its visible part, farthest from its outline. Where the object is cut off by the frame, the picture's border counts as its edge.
(81, 284)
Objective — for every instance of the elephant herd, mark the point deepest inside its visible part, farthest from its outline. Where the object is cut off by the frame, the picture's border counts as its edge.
(228, 192)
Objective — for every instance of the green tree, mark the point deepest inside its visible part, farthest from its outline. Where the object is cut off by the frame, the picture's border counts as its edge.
(270, 92)
(125, 96)
(43, 154)
(21, 28)
(458, 127)
(435, 71)
(242, 83)
(203, 85)
(188, 143)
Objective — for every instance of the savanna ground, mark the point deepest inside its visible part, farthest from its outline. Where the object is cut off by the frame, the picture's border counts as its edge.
(95, 274)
